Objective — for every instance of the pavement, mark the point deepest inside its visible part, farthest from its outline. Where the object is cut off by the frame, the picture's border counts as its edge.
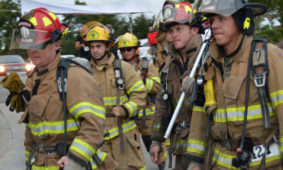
(12, 153)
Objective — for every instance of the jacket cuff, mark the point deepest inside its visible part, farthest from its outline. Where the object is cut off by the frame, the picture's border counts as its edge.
(123, 111)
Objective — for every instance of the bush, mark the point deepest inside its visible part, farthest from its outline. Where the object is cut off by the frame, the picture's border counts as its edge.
(274, 35)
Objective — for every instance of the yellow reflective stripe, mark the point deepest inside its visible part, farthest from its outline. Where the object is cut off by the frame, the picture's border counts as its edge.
(225, 160)
(276, 98)
(54, 17)
(186, 103)
(149, 85)
(111, 101)
(188, 9)
(148, 111)
(87, 107)
(199, 109)
(52, 128)
(179, 145)
(196, 146)
(167, 142)
(143, 168)
(27, 155)
(54, 167)
(156, 126)
(46, 21)
(136, 87)
(33, 21)
(114, 132)
(237, 113)
(281, 143)
(222, 159)
(101, 155)
(132, 108)
(83, 148)
(156, 79)
(177, 5)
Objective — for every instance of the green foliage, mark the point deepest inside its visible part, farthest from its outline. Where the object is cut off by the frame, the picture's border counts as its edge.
(141, 24)
(274, 35)
(9, 14)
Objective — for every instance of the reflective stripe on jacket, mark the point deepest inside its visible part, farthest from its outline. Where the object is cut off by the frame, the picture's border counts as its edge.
(230, 97)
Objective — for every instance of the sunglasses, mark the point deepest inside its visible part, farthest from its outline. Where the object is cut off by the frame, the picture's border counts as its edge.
(125, 49)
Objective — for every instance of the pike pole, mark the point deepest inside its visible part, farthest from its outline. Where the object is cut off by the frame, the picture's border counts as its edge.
(192, 73)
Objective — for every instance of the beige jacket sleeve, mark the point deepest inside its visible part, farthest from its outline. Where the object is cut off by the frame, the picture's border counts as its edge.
(85, 103)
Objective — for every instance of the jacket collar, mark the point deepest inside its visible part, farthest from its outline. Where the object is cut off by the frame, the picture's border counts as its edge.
(51, 68)
(240, 56)
(191, 48)
(108, 64)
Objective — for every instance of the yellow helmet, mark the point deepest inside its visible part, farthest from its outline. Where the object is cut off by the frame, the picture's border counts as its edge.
(127, 40)
(97, 33)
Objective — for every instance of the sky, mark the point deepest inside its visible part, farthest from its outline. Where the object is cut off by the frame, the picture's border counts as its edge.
(154, 5)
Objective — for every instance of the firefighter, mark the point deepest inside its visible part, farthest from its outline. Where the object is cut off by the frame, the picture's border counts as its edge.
(243, 114)
(123, 94)
(163, 39)
(128, 45)
(65, 132)
(183, 52)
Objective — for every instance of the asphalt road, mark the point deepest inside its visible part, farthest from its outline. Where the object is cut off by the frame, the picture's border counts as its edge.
(12, 138)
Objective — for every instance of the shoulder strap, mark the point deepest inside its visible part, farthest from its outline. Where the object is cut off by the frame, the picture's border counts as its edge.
(120, 83)
(260, 71)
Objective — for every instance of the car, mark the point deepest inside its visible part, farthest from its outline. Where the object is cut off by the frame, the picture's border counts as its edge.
(13, 63)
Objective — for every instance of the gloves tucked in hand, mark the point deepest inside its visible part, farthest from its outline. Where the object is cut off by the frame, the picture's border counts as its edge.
(16, 98)
(188, 84)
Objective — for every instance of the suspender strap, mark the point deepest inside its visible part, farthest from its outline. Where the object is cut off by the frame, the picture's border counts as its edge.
(260, 72)
(120, 84)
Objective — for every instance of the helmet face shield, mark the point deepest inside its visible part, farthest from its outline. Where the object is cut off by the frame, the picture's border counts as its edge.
(181, 13)
(25, 38)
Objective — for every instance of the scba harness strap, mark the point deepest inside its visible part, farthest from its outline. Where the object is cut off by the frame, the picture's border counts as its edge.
(260, 71)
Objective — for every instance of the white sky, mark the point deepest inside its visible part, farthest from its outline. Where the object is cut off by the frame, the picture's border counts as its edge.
(154, 5)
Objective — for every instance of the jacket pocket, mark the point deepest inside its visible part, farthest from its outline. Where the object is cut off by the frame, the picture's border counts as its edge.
(37, 107)
(231, 89)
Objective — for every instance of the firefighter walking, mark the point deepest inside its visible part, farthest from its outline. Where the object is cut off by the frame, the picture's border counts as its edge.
(60, 132)
(128, 45)
(123, 95)
(243, 93)
(183, 50)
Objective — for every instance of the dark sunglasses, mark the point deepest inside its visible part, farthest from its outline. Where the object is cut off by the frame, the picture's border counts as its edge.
(126, 49)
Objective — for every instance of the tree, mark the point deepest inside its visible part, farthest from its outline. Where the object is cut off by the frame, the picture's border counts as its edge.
(141, 24)
(9, 15)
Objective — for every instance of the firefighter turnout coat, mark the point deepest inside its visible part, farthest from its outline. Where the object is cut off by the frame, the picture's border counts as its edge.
(44, 117)
(178, 70)
(152, 84)
(132, 99)
(227, 120)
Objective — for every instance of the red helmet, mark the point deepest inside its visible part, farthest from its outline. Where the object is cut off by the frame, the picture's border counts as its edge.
(36, 29)
(180, 12)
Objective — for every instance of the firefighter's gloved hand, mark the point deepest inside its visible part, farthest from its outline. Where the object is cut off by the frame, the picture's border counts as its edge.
(187, 85)
(16, 98)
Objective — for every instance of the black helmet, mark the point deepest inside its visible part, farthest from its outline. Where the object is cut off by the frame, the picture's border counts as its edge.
(229, 7)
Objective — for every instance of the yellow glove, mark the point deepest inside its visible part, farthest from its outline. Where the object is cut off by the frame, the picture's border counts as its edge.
(16, 87)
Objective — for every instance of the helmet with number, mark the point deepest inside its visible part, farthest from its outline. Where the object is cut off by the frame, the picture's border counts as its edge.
(128, 40)
(37, 28)
(99, 33)
(229, 7)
